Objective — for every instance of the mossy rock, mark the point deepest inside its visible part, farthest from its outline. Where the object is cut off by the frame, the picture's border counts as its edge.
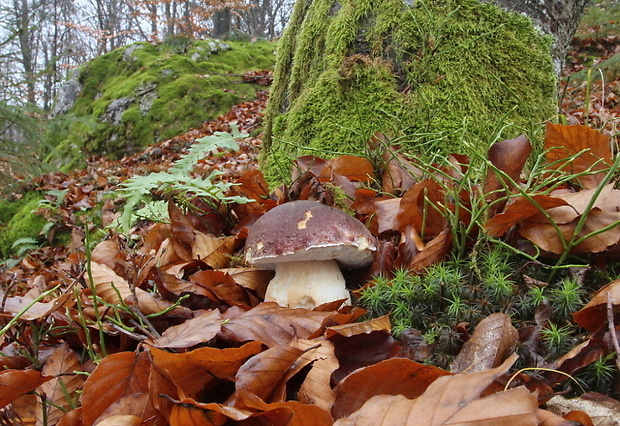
(142, 93)
(446, 75)
(18, 220)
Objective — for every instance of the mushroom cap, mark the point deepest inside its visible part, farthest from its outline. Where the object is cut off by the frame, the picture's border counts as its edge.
(302, 231)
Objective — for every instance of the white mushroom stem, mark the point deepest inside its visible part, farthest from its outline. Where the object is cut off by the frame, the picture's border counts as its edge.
(307, 284)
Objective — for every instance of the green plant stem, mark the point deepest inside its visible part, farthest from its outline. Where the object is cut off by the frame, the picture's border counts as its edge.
(23, 311)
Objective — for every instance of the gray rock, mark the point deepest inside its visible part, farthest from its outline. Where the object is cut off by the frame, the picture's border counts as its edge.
(67, 94)
(115, 110)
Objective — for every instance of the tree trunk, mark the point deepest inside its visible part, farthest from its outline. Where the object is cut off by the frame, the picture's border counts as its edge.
(441, 75)
(558, 18)
(221, 23)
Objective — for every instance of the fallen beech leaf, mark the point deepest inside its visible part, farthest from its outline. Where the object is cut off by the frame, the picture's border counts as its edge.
(365, 327)
(14, 305)
(390, 377)
(114, 290)
(118, 376)
(316, 388)
(15, 383)
(356, 169)
(522, 209)
(362, 350)
(579, 357)
(192, 332)
(192, 371)
(488, 345)
(251, 278)
(387, 212)
(214, 251)
(264, 374)
(271, 324)
(62, 365)
(562, 142)
(423, 206)
(544, 235)
(593, 316)
(451, 400)
(188, 412)
(434, 252)
(508, 156)
(290, 413)
(121, 420)
(219, 287)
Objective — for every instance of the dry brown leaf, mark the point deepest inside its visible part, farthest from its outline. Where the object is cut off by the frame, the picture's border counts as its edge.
(434, 252)
(508, 156)
(423, 206)
(544, 235)
(364, 327)
(316, 389)
(120, 380)
(251, 278)
(290, 413)
(356, 169)
(387, 212)
(447, 401)
(14, 305)
(519, 211)
(488, 345)
(191, 371)
(265, 374)
(188, 412)
(192, 332)
(115, 290)
(219, 287)
(271, 324)
(562, 142)
(121, 420)
(62, 365)
(593, 316)
(15, 383)
(214, 251)
(390, 377)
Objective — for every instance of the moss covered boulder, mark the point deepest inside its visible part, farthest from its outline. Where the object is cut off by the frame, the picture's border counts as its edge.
(144, 93)
(443, 74)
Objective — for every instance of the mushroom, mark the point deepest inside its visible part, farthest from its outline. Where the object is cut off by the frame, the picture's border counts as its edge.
(305, 242)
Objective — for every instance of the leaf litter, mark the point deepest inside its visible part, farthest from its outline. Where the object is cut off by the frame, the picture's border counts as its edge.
(179, 333)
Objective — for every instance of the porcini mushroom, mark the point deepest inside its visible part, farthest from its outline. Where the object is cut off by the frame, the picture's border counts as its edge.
(306, 242)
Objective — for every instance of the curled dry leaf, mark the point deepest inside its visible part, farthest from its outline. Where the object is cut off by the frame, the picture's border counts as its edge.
(192, 332)
(389, 377)
(63, 365)
(364, 327)
(15, 383)
(577, 358)
(265, 374)
(593, 316)
(488, 346)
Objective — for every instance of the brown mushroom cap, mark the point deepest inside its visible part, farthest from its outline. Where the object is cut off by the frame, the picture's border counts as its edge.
(305, 231)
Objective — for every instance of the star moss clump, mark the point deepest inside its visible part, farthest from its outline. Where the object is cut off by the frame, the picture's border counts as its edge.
(447, 75)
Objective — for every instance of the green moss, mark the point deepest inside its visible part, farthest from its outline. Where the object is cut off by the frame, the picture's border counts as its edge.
(189, 83)
(19, 221)
(455, 71)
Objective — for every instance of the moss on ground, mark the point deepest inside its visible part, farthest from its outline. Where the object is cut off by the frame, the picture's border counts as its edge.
(18, 220)
(168, 89)
(452, 73)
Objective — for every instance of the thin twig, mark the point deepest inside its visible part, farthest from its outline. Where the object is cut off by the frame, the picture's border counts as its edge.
(612, 328)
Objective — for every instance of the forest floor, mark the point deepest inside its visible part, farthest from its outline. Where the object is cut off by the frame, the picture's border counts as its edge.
(131, 354)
